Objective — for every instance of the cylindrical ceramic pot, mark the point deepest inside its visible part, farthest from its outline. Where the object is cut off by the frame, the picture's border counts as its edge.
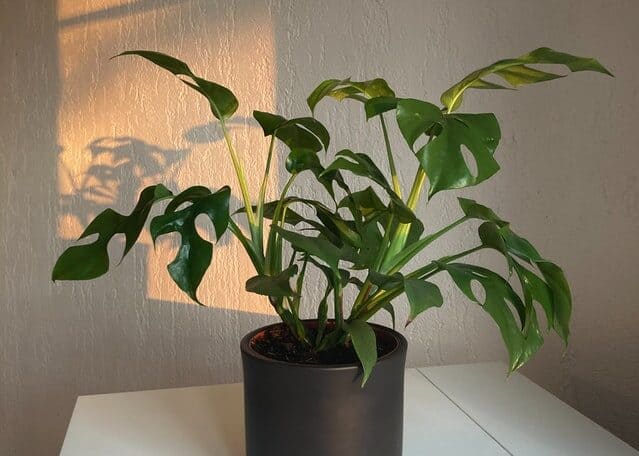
(322, 410)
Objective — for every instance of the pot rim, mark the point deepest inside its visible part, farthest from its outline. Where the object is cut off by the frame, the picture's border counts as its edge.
(245, 347)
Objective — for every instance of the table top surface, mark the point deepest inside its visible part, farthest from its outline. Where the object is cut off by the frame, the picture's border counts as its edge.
(449, 411)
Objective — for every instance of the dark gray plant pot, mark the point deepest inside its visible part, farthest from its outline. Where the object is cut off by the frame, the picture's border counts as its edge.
(322, 410)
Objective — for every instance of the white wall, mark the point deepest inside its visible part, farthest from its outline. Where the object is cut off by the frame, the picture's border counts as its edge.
(73, 125)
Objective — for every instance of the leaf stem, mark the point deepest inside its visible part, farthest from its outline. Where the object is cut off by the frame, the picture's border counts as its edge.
(239, 171)
(397, 188)
(262, 196)
(272, 236)
(379, 299)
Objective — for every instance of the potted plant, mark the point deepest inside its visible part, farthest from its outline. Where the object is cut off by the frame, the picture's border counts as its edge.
(308, 383)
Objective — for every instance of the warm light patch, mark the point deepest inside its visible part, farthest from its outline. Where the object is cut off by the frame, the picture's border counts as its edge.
(125, 124)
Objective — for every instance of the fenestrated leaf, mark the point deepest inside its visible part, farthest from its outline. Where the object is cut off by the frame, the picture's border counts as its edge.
(275, 286)
(422, 295)
(195, 253)
(516, 73)
(415, 118)
(88, 261)
(562, 299)
(222, 101)
(365, 345)
(553, 294)
(442, 158)
(499, 297)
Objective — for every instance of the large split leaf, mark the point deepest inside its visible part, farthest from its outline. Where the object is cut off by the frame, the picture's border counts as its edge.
(552, 292)
(221, 100)
(88, 261)
(516, 72)
(443, 160)
(195, 253)
(499, 297)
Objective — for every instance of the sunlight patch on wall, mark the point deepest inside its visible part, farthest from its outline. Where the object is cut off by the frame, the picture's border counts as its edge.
(124, 124)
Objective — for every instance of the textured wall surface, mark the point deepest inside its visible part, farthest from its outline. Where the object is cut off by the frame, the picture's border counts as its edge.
(80, 133)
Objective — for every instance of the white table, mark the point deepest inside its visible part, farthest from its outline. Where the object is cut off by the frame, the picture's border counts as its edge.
(450, 410)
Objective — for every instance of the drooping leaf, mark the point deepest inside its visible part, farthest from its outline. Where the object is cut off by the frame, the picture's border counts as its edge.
(553, 292)
(499, 296)
(516, 72)
(442, 158)
(88, 261)
(222, 101)
(422, 295)
(391, 311)
(195, 253)
(415, 118)
(276, 286)
(365, 345)
(562, 299)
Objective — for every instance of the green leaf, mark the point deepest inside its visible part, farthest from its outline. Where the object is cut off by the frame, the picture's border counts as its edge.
(269, 122)
(562, 299)
(322, 90)
(472, 209)
(553, 294)
(291, 217)
(442, 158)
(379, 105)
(499, 297)
(316, 246)
(299, 133)
(345, 88)
(175, 66)
(365, 345)
(385, 281)
(415, 118)
(421, 296)
(388, 307)
(195, 253)
(362, 165)
(516, 72)
(222, 101)
(275, 286)
(88, 261)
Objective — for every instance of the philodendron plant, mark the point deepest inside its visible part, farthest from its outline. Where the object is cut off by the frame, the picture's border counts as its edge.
(364, 238)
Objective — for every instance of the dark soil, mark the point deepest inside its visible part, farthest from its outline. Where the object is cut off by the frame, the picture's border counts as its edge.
(278, 342)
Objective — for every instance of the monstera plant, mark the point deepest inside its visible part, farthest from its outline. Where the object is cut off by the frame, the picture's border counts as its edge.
(365, 237)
